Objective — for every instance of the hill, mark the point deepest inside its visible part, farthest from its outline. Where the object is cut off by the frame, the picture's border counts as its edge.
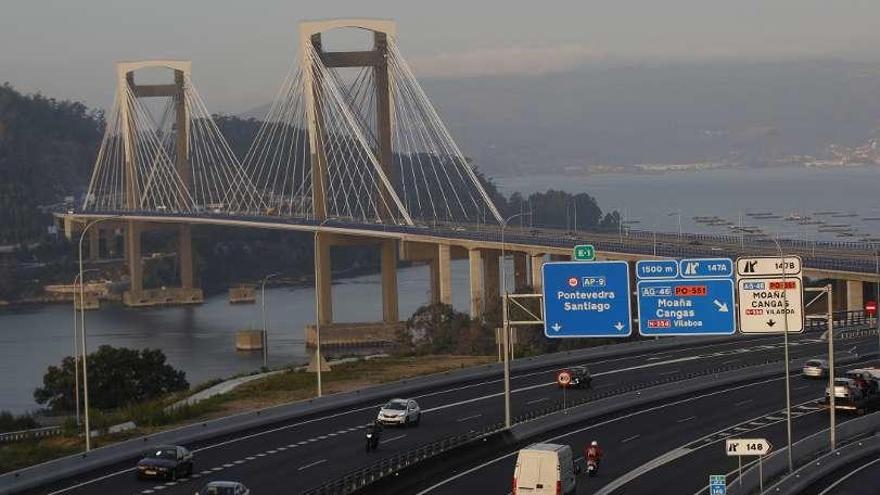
(47, 148)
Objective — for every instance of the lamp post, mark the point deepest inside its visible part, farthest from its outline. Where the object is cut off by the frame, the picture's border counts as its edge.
(82, 324)
(265, 320)
(677, 213)
(76, 344)
(318, 310)
(505, 327)
(785, 352)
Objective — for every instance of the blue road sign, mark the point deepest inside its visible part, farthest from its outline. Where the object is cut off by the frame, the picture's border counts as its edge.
(706, 268)
(587, 299)
(717, 484)
(656, 269)
(689, 303)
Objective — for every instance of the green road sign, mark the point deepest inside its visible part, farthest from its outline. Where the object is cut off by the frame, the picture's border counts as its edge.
(584, 252)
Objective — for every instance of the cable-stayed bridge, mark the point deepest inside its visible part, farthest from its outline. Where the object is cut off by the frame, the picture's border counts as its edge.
(353, 150)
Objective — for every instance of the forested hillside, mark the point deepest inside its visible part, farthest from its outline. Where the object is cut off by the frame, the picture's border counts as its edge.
(47, 148)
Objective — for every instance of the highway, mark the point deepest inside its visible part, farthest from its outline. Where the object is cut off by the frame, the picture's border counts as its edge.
(857, 478)
(295, 455)
(671, 447)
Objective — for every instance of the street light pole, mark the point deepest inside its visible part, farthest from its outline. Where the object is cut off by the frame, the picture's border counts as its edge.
(265, 319)
(785, 347)
(505, 327)
(76, 345)
(318, 311)
(82, 324)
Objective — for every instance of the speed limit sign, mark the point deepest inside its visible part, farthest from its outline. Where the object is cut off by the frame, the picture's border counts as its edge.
(563, 378)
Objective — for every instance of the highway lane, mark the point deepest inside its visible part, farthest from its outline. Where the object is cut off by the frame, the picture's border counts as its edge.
(682, 439)
(857, 478)
(309, 451)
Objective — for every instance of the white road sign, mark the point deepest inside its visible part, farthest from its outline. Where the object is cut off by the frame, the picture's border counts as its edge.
(747, 446)
(761, 266)
(769, 302)
(764, 306)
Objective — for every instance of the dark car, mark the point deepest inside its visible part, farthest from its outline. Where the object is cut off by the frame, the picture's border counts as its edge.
(167, 462)
(580, 376)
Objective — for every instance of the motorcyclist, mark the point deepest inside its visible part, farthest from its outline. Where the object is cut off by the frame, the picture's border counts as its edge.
(374, 431)
(593, 453)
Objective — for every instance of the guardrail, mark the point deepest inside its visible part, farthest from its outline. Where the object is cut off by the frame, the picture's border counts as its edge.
(18, 436)
(362, 478)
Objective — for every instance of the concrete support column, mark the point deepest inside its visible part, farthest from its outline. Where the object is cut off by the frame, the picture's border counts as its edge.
(537, 261)
(855, 295)
(441, 284)
(185, 255)
(476, 282)
(133, 256)
(94, 243)
(111, 240)
(323, 280)
(520, 271)
(390, 311)
(491, 278)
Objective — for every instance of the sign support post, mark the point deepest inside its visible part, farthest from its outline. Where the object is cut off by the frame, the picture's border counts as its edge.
(787, 372)
(831, 406)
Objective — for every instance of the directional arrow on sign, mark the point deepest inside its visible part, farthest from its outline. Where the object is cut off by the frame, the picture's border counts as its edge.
(619, 326)
(556, 327)
(770, 323)
(721, 306)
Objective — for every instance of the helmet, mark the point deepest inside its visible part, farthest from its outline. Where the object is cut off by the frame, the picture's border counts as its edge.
(594, 443)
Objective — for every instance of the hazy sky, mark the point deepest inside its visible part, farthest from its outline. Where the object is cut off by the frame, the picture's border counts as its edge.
(241, 49)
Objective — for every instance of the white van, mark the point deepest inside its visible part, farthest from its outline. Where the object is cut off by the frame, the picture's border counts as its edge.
(544, 468)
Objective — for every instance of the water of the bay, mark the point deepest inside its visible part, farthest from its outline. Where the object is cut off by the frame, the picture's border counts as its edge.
(199, 339)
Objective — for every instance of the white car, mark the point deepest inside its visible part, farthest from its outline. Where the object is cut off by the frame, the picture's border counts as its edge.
(400, 412)
(815, 368)
(224, 488)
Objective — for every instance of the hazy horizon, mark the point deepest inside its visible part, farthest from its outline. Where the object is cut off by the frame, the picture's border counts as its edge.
(240, 53)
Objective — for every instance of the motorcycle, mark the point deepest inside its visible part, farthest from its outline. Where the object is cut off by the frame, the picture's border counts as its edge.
(372, 440)
(592, 467)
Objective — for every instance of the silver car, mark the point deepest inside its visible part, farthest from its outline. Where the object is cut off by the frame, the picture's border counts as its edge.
(815, 368)
(400, 412)
(224, 488)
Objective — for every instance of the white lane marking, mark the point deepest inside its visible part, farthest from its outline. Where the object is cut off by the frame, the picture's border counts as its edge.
(468, 418)
(398, 437)
(673, 455)
(313, 464)
(743, 402)
(535, 401)
(590, 427)
(218, 468)
(629, 439)
(239, 461)
(730, 361)
(668, 373)
(841, 480)
(801, 387)
(684, 420)
(228, 465)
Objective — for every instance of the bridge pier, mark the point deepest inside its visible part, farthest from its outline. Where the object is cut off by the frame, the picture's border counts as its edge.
(476, 282)
(390, 311)
(537, 262)
(520, 271)
(94, 243)
(491, 279)
(185, 256)
(855, 295)
(323, 279)
(133, 257)
(441, 275)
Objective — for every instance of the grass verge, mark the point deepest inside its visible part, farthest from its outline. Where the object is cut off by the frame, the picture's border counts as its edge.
(153, 416)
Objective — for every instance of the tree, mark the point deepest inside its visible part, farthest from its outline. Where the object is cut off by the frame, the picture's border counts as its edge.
(117, 376)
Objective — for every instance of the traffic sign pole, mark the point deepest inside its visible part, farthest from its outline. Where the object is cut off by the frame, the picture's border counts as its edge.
(831, 396)
(787, 376)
